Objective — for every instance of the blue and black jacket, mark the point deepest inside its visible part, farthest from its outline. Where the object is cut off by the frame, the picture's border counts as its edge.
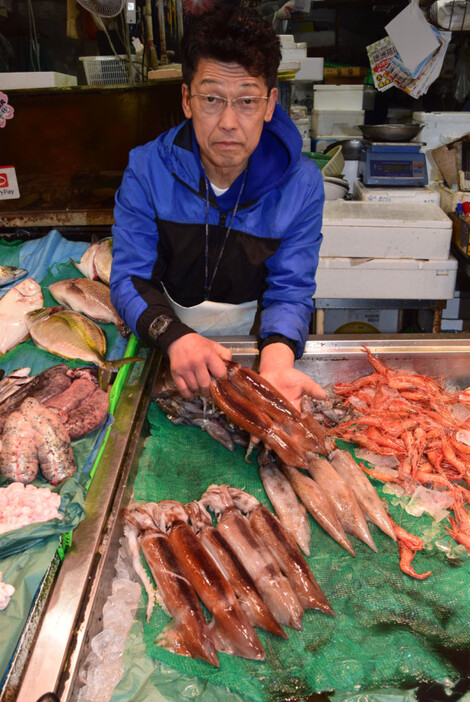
(273, 247)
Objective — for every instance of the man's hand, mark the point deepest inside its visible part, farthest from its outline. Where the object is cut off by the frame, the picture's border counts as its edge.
(277, 366)
(193, 360)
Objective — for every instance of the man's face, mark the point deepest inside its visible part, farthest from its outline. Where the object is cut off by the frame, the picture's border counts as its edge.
(227, 138)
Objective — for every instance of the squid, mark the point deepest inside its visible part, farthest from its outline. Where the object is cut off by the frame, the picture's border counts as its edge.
(284, 549)
(188, 633)
(231, 630)
(256, 406)
(365, 493)
(291, 513)
(249, 598)
(274, 587)
(342, 499)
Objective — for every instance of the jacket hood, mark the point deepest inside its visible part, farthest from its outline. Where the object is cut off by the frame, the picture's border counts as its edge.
(273, 160)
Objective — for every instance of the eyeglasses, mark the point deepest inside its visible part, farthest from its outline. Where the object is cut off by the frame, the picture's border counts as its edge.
(244, 105)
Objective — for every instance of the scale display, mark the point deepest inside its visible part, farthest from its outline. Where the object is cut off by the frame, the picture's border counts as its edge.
(393, 165)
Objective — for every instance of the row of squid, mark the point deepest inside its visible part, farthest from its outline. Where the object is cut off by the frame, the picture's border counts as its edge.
(247, 571)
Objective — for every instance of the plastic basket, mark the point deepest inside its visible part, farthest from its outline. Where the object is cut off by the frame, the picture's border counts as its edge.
(108, 70)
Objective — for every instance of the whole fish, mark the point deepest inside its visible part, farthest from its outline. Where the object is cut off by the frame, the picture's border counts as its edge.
(72, 335)
(89, 297)
(274, 587)
(243, 584)
(365, 493)
(291, 513)
(284, 549)
(14, 307)
(86, 265)
(342, 498)
(10, 274)
(318, 505)
(230, 628)
(95, 263)
(18, 457)
(104, 259)
(188, 633)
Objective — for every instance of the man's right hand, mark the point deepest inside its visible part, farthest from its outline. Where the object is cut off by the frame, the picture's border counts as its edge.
(193, 360)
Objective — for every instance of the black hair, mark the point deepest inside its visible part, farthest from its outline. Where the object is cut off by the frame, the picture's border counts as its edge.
(231, 35)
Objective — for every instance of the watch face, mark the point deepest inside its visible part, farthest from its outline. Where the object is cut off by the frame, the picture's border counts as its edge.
(159, 325)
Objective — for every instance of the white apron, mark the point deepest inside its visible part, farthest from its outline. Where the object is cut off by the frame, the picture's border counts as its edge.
(217, 318)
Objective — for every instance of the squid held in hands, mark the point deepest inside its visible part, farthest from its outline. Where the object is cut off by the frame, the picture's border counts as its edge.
(285, 550)
(257, 407)
(274, 587)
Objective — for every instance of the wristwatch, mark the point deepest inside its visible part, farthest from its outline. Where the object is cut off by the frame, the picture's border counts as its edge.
(159, 326)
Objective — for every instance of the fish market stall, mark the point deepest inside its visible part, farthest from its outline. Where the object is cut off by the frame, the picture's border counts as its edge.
(55, 421)
(390, 632)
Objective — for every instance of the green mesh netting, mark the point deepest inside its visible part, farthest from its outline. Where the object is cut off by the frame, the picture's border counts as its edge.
(390, 630)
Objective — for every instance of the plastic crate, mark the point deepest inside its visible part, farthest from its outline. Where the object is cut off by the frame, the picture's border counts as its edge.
(108, 70)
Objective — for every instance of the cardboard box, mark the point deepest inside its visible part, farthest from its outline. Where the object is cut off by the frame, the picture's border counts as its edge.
(461, 233)
(385, 321)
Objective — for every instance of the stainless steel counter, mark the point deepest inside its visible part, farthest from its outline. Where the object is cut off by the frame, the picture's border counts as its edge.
(73, 614)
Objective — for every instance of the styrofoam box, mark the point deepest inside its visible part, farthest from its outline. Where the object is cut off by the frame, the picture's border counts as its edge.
(385, 230)
(451, 325)
(385, 321)
(338, 122)
(294, 53)
(311, 68)
(36, 79)
(386, 279)
(340, 97)
(439, 128)
(405, 195)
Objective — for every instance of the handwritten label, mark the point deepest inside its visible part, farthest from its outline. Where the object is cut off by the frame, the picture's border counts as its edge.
(6, 110)
(8, 183)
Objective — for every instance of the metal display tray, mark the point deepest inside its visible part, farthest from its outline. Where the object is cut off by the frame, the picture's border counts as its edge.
(61, 648)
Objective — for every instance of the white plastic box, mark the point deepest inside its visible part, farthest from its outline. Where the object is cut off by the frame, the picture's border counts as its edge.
(342, 97)
(439, 128)
(385, 230)
(405, 195)
(311, 69)
(36, 79)
(386, 279)
(341, 123)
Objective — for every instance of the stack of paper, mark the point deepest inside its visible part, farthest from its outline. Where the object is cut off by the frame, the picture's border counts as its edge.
(411, 56)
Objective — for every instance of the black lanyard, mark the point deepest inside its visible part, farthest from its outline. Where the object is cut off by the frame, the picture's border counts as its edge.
(207, 284)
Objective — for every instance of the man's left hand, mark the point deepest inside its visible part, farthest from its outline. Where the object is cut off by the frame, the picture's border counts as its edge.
(277, 366)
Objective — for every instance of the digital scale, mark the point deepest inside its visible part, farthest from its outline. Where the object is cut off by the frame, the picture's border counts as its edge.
(393, 164)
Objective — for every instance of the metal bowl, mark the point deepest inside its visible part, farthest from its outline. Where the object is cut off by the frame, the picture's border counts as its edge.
(390, 132)
(351, 148)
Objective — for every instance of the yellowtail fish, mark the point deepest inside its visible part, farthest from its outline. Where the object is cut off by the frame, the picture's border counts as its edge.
(72, 335)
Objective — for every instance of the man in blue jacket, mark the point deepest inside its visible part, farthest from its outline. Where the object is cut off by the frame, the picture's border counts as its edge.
(218, 221)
